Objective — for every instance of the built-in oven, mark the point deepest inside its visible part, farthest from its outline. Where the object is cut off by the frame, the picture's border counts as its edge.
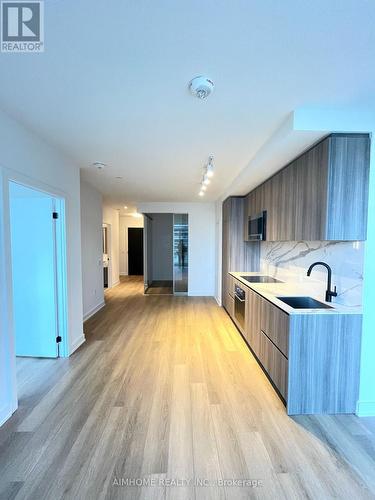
(239, 305)
(257, 226)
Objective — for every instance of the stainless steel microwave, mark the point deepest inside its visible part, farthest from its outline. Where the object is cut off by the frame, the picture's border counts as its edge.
(257, 226)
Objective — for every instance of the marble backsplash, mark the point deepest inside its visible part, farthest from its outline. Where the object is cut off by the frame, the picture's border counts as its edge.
(289, 261)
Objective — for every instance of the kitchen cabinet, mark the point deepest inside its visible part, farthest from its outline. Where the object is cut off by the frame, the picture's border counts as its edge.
(275, 363)
(321, 195)
(236, 253)
(312, 359)
(253, 315)
(275, 324)
(228, 303)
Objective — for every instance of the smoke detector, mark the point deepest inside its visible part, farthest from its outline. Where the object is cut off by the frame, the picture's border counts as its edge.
(201, 87)
(99, 165)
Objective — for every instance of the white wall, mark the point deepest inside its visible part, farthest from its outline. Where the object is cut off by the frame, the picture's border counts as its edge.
(92, 250)
(202, 270)
(126, 221)
(112, 217)
(26, 158)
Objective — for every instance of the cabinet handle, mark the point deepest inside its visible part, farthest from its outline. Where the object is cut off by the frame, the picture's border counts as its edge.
(238, 298)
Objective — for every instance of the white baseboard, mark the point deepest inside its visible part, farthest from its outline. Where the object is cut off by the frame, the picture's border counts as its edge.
(93, 311)
(218, 301)
(77, 343)
(365, 409)
(123, 274)
(5, 413)
(115, 283)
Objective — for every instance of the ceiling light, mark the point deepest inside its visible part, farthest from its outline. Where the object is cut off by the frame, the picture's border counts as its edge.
(206, 180)
(210, 167)
(203, 187)
(125, 207)
(201, 193)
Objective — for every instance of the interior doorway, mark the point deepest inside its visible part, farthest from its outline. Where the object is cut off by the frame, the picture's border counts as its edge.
(166, 243)
(38, 256)
(107, 263)
(135, 251)
(180, 253)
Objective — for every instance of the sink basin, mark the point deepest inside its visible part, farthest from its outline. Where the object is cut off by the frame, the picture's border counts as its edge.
(304, 303)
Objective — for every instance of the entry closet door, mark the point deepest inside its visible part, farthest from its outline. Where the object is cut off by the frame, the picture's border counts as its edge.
(34, 269)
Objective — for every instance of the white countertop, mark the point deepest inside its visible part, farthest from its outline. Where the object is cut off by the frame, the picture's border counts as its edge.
(271, 291)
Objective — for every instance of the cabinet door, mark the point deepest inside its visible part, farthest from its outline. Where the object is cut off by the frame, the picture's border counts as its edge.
(275, 324)
(225, 258)
(250, 206)
(231, 282)
(254, 303)
(348, 187)
(270, 207)
(283, 205)
(275, 363)
(259, 199)
(236, 246)
(228, 303)
(311, 194)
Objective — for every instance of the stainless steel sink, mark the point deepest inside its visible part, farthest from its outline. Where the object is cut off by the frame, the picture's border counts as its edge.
(304, 303)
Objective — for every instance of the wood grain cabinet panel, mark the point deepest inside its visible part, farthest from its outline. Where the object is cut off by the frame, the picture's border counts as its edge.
(312, 359)
(253, 318)
(348, 185)
(321, 195)
(275, 324)
(228, 303)
(237, 255)
(231, 282)
(275, 363)
(310, 172)
(324, 360)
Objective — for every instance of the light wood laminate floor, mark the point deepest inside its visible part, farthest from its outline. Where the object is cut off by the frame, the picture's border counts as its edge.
(165, 390)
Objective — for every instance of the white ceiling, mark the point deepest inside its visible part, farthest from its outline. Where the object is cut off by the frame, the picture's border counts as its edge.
(112, 84)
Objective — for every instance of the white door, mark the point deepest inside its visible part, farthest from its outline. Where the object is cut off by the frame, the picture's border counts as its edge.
(33, 243)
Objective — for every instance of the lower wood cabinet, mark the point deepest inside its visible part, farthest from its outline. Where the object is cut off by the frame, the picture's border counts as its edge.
(312, 359)
(253, 315)
(228, 302)
(275, 324)
(275, 363)
(231, 282)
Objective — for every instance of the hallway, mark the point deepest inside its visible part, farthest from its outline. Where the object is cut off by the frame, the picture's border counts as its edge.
(165, 390)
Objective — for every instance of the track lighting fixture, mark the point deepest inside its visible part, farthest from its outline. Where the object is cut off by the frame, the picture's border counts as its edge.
(208, 172)
(210, 167)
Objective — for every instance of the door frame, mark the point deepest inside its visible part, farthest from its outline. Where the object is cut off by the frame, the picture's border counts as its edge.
(146, 227)
(8, 176)
(109, 253)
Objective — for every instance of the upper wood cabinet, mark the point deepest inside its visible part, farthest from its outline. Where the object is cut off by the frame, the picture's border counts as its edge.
(321, 195)
(237, 255)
